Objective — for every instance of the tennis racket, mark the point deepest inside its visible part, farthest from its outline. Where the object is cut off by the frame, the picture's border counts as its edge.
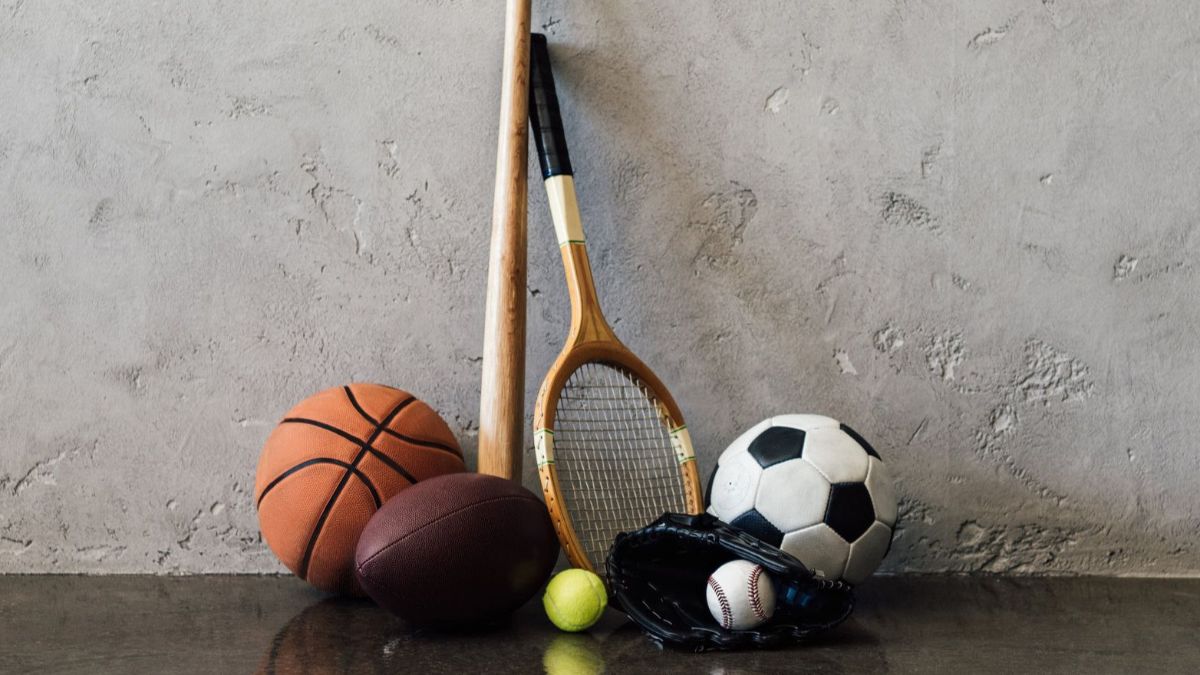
(613, 452)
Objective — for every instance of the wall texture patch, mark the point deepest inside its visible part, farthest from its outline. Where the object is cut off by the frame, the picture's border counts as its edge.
(970, 234)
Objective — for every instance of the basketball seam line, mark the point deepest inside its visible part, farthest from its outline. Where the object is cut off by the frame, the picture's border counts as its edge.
(321, 460)
(356, 440)
(354, 402)
(337, 491)
(433, 445)
(407, 439)
(395, 466)
(391, 432)
(327, 427)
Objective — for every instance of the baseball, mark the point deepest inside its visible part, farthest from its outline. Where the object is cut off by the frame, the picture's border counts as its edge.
(740, 595)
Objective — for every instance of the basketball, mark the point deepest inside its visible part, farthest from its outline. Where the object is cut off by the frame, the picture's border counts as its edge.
(332, 462)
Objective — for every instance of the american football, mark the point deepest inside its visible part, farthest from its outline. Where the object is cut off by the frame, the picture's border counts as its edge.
(457, 550)
(811, 486)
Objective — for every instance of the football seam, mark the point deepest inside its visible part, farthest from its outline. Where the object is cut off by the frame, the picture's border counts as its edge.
(365, 563)
(726, 610)
(755, 600)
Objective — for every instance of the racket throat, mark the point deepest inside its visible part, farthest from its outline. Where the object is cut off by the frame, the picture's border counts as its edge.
(587, 320)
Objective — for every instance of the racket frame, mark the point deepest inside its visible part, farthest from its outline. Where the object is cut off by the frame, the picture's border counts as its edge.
(591, 340)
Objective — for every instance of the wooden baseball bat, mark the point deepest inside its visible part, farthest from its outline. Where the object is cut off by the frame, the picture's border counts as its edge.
(502, 391)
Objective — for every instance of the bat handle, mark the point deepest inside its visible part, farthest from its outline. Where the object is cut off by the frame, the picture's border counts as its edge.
(544, 115)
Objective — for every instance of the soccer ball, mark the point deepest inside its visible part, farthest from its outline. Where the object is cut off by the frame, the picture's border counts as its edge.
(811, 486)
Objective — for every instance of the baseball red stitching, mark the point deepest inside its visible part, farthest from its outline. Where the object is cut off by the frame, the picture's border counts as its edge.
(755, 601)
(726, 611)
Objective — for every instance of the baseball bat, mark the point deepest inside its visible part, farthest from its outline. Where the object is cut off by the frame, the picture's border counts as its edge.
(502, 390)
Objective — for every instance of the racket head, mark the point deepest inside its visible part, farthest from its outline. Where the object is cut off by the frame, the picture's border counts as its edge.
(613, 451)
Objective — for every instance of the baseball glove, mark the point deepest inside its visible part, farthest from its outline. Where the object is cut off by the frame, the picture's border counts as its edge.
(658, 575)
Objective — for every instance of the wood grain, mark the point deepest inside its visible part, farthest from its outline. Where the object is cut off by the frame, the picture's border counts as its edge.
(502, 390)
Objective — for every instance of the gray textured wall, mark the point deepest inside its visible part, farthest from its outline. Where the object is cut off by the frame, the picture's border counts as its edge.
(967, 228)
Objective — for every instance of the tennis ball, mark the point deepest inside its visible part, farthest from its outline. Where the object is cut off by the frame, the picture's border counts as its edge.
(575, 599)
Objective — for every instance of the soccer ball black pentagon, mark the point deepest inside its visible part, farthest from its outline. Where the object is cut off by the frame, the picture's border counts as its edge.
(811, 486)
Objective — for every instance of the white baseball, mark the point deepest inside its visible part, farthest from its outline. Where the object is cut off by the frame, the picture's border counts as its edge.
(740, 595)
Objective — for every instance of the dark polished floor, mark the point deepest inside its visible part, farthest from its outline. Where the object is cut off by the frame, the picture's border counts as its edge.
(277, 625)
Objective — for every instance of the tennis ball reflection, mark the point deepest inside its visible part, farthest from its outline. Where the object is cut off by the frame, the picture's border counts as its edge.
(573, 655)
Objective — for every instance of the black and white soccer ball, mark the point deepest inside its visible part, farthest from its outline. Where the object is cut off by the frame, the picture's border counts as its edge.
(811, 486)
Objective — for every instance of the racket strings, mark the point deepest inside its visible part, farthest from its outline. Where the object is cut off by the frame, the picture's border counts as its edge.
(616, 466)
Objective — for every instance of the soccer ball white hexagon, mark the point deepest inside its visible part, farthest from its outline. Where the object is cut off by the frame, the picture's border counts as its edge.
(811, 486)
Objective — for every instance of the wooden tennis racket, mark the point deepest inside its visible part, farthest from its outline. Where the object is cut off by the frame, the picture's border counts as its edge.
(613, 453)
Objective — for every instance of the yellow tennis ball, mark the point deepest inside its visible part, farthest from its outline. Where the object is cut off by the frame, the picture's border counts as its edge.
(575, 599)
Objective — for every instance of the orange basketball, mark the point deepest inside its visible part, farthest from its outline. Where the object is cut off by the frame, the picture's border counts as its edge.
(333, 460)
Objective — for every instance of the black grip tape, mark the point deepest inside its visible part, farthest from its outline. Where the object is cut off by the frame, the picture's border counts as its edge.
(544, 116)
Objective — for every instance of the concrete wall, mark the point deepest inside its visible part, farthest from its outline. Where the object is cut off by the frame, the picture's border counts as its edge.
(967, 228)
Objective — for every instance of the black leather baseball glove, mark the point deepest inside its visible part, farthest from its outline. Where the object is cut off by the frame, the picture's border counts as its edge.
(658, 576)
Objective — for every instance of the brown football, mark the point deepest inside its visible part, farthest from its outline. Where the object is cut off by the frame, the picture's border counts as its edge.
(457, 550)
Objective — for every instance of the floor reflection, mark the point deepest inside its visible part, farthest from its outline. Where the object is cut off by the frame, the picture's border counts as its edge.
(334, 636)
(573, 654)
(165, 625)
(354, 637)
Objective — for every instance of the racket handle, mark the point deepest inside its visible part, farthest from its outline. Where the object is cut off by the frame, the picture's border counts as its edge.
(544, 116)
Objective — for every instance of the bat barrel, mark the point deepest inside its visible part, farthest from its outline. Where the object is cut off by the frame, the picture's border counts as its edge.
(502, 389)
